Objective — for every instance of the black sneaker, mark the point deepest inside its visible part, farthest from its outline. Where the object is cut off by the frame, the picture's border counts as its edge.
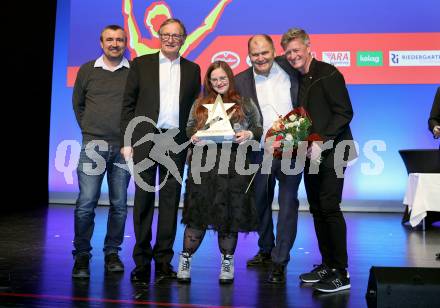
(141, 274)
(277, 274)
(260, 259)
(336, 281)
(81, 266)
(319, 272)
(113, 263)
(164, 271)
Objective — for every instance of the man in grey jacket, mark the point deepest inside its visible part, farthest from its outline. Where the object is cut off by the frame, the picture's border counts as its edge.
(97, 102)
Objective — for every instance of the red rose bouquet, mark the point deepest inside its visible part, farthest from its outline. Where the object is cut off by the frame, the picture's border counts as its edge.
(288, 131)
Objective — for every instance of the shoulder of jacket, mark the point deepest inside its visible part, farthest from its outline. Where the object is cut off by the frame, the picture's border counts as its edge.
(325, 68)
(244, 74)
(146, 58)
(185, 61)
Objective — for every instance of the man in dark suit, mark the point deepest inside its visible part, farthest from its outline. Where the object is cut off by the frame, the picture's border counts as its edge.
(272, 84)
(322, 92)
(161, 87)
(434, 117)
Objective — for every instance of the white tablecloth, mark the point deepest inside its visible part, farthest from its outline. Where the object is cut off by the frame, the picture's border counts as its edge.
(422, 195)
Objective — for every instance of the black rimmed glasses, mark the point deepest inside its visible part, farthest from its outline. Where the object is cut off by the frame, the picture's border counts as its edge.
(217, 80)
(167, 36)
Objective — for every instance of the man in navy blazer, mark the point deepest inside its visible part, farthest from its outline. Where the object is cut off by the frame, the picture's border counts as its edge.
(161, 87)
(272, 84)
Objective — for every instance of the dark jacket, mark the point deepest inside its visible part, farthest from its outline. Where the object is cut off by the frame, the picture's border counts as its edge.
(329, 106)
(142, 98)
(434, 117)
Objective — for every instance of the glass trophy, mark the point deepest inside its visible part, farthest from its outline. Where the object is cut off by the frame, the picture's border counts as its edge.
(217, 128)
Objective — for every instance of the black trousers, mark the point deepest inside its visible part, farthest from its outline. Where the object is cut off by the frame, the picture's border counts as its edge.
(324, 193)
(169, 197)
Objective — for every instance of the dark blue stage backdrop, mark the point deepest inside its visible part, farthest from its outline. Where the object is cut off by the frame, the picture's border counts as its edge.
(388, 51)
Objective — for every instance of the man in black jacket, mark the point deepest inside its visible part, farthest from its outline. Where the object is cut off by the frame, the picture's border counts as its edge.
(160, 91)
(322, 92)
(434, 117)
(272, 84)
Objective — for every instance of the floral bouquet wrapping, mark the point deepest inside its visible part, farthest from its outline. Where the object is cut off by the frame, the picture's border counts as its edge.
(287, 132)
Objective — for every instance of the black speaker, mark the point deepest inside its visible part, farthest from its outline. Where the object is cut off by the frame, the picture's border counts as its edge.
(403, 287)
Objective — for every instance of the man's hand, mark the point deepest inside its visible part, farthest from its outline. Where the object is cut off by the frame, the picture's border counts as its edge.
(278, 124)
(314, 153)
(127, 153)
(436, 131)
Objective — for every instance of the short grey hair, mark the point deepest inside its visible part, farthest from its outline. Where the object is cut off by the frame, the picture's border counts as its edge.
(293, 34)
(171, 21)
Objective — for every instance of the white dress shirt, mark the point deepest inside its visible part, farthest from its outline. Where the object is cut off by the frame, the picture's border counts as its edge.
(100, 63)
(169, 84)
(273, 93)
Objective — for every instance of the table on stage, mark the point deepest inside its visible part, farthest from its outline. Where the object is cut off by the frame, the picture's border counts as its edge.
(422, 195)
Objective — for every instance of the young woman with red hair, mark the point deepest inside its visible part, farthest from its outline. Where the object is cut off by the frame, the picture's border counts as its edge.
(218, 199)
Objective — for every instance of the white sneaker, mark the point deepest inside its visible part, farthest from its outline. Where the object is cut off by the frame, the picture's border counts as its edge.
(227, 269)
(184, 271)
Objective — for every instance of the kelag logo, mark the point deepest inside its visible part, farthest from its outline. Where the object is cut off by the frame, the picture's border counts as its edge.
(227, 56)
(369, 58)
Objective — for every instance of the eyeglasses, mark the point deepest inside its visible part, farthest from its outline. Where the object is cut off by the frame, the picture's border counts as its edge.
(167, 36)
(217, 80)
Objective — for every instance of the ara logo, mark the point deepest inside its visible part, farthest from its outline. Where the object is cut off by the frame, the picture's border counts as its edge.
(337, 58)
(228, 56)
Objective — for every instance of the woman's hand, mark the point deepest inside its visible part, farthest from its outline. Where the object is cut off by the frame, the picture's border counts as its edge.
(243, 135)
(195, 139)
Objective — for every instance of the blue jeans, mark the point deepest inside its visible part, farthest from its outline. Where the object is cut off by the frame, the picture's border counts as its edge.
(91, 170)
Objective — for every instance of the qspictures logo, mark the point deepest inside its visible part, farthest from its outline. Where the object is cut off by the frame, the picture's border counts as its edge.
(415, 58)
(369, 58)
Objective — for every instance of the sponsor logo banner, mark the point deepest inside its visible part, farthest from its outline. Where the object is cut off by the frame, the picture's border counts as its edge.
(337, 58)
(392, 45)
(229, 57)
(414, 57)
(369, 58)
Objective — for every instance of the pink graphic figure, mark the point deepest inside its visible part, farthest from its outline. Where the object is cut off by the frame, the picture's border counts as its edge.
(155, 15)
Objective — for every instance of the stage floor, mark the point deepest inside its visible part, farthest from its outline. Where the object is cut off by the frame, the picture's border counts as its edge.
(36, 264)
